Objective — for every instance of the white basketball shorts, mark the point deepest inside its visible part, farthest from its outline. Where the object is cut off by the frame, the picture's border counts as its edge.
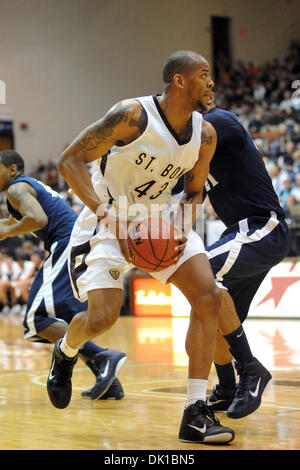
(96, 261)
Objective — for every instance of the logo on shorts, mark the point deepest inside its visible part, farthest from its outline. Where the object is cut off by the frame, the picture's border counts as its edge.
(114, 273)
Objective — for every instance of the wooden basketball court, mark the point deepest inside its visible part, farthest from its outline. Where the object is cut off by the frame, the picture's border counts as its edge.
(154, 381)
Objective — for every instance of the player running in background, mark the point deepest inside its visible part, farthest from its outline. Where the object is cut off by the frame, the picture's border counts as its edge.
(35, 207)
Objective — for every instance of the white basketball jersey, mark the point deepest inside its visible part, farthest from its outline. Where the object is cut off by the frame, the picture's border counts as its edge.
(146, 170)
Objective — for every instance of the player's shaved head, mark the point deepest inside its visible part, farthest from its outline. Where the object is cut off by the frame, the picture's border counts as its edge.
(11, 157)
(180, 62)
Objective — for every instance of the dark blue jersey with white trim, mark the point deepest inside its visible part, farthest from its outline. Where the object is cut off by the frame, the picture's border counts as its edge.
(61, 216)
(238, 185)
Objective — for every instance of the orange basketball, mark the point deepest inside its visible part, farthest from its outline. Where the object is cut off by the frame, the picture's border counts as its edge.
(152, 244)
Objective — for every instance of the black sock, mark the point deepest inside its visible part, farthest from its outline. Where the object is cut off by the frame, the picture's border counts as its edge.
(226, 375)
(89, 350)
(239, 346)
(93, 367)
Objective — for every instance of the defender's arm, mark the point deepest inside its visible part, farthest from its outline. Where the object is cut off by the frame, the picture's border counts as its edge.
(22, 197)
(196, 177)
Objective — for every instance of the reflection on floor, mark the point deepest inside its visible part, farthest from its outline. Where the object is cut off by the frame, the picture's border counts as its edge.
(276, 342)
(154, 380)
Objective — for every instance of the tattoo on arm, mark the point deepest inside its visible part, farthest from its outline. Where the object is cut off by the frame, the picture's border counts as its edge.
(206, 139)
(15, 195)
(103, 129)
(189, 178)
(141, 123)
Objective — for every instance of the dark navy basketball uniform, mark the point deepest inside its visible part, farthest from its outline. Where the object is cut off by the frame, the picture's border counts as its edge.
(51, 296)
(242, 195)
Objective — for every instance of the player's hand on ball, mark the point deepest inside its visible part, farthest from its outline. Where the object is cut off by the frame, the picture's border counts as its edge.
(118, 226)
(181, 238)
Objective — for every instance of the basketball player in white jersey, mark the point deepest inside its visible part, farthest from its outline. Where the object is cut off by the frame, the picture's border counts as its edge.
(146, 143)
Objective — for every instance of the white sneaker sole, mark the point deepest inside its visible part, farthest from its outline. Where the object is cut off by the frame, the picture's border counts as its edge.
(223, 438)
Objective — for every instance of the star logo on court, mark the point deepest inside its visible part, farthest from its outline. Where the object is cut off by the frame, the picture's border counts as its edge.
(282, 352)
(279, 286)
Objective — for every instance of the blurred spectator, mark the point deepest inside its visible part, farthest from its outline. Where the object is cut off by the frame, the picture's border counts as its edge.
(269, 164)
(259, 91)
(4, 280)
(286, 161)
(19, 287)
(285, 192)
(278, 176)
(287, 102)
(51, 178)
(296, 188)
(17, 270)
(9, 271)
(296, 157)
(37, 257)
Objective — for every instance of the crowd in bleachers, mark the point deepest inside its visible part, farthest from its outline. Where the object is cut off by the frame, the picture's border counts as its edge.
(48, 173)
(18, 266)
(265, 100)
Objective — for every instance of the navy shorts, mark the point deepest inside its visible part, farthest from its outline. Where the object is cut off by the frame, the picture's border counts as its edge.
(51, 296)
(245, 253)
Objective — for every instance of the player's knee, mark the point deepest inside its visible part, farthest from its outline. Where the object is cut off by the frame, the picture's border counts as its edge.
(208, 304)
(102, 319)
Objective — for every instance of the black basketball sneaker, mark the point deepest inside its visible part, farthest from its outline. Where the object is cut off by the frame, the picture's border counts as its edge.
(253, 380)
(221, 398)
(108, 363)
(114, 392)
(199, 424)
(59, 385)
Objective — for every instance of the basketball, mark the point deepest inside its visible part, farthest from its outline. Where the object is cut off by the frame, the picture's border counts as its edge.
(152, 244)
